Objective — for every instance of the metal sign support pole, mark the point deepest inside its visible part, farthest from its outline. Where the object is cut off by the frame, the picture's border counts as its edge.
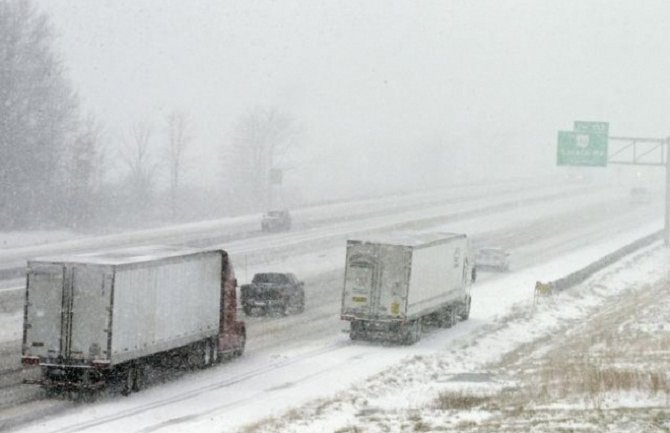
(667, 192)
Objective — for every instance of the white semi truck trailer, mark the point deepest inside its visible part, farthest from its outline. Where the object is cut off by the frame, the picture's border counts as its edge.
(395, 283)
(95, 318)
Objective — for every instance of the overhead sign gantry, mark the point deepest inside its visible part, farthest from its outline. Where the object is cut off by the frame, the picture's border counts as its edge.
(589, 145)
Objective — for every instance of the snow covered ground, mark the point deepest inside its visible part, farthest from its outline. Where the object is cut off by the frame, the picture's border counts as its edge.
(591, 359)
(331, 384)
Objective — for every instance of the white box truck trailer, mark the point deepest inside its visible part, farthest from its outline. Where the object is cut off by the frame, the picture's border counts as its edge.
(95, 318)
(395, 283)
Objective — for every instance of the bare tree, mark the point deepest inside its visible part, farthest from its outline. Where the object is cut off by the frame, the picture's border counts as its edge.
(179, 133)
(261, 141)
(137, 156)
(83, 172)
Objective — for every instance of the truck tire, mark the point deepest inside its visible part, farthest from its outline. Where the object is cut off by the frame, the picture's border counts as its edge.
(452, 315)
(247, 310)
(51, 391)
(355, 332)
(465, 309)
(128, 380)
(412, 333)
(216, 358)
(140, 379)
(301, 304)
(443, 318)
(210, 351)
(204, 351)
(243, 342)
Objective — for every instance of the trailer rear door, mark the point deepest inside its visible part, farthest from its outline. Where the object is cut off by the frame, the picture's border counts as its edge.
(43, 312)
(361, 285)
(376, 281)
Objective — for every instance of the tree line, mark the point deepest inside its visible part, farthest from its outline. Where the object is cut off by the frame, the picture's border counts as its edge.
(54, 158)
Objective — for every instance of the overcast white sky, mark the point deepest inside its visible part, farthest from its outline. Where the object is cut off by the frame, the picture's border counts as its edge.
(379, 75)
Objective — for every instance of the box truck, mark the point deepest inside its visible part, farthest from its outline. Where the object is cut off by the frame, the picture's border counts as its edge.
(95, 318)
(395, 283)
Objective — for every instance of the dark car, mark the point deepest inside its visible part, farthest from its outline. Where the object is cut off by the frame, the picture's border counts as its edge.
(273, 291)
(276, 220)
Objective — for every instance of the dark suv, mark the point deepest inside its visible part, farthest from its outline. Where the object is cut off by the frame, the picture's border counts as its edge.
(273, 291)
(276, 220)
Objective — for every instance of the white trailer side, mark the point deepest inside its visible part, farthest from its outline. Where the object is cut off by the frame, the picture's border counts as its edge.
(168, 304)
(439, 276)
(117, 306)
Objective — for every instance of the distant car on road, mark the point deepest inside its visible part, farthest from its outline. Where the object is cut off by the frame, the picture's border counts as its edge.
(276, 220)
(492, 258)
(640, 195)
(273, 291)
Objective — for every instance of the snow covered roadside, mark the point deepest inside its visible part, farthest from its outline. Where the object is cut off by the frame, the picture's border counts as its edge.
(474, 383)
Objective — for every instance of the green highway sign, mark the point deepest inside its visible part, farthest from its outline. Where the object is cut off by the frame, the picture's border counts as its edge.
(601, 128)
(582, 149)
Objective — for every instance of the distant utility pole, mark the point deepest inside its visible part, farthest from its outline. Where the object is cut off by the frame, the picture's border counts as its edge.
(587, 145)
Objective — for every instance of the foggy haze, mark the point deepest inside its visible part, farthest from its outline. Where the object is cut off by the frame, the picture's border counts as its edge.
(374, 81)
(244, 215)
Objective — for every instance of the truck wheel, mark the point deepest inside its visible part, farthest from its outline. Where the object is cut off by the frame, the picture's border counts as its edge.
(215, 352)
(240, 350)
(452, 316)
(247, 310)
(413, 332)
(355, 332)
(128, 377)
(51, 391)
(205, 354)
(88, 395)
(301, 305)
(443, 318)
(140, 378)
(465, 309)
(208, 358)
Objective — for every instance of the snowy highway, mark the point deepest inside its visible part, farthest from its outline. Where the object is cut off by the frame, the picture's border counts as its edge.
(207, 233)
(308, 350)
(334, 217)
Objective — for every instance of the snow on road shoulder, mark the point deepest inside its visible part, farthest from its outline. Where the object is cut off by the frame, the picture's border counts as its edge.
(420, 393)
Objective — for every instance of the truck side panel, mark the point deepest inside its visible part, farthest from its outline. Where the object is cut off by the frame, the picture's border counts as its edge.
(436, 277)
(166, 305)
